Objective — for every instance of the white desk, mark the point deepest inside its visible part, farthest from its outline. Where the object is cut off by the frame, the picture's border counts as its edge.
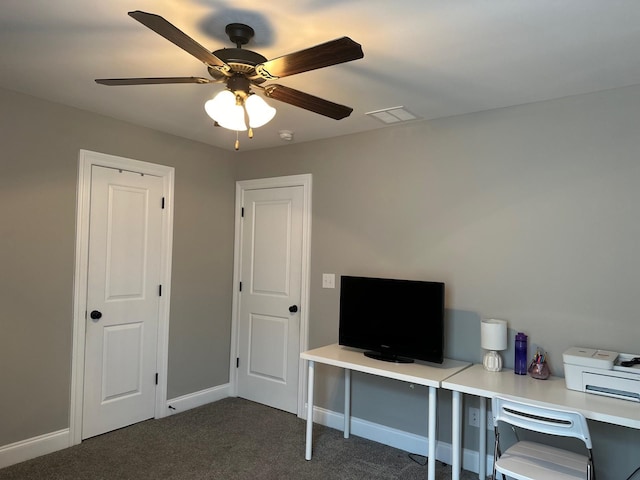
(419, 373)
(476, 380)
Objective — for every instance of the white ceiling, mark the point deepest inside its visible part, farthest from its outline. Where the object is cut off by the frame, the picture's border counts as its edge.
(435, 57)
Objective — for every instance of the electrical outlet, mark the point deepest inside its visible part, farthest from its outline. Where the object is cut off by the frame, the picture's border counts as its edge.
(474, 417)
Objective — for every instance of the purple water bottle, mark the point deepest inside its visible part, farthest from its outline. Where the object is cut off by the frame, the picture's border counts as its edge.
(520, 366)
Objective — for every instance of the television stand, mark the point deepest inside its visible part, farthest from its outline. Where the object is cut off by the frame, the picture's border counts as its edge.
(388, 358)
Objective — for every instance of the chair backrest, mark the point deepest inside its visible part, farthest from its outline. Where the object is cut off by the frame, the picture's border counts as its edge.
(537, 418)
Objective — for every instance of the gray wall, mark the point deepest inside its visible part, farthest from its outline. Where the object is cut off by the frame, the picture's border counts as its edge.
(39, 142)
(526, 213)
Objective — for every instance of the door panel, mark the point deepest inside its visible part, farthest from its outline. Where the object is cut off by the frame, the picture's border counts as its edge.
(268, 333)
(126, 243)
(122, 284)
(122, 361)
(268, 347)
(272, 247)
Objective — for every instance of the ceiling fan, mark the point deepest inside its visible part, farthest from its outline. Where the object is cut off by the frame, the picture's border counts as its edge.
(242, 69)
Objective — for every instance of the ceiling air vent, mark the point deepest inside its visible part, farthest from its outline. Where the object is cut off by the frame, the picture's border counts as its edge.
(393, 115)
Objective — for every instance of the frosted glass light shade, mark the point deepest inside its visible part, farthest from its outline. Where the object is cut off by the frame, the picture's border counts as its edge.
(217, 105)
(493, 337)
(260, 113)
(224, 110)
(234, 119)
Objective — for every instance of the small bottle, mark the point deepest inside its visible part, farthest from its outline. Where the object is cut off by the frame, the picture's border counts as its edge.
(520, 365)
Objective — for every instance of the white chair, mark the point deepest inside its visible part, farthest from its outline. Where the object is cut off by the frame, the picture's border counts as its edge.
(526, 460)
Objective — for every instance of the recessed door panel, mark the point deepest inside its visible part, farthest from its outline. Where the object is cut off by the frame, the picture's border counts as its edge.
(126, 242)
(267, 350)
(122, 361)
(272, 247)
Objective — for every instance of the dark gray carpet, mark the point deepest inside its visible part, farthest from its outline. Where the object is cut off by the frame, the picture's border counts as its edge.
(233, 439)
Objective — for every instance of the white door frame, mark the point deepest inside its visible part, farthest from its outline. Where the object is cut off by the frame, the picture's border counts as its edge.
(87, 160)
(303, 180)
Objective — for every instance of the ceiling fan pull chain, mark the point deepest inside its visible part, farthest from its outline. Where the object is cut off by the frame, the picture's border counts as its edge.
(237, 145)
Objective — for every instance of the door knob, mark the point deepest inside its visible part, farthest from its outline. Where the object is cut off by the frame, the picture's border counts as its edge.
(95, 315)
(293, 308)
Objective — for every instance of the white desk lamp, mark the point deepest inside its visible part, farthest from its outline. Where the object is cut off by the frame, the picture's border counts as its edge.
(493, 337)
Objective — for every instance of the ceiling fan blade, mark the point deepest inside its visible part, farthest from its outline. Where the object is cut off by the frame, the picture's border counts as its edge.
(326, 54)
(151, 81)
(178, 37)
(308, 102)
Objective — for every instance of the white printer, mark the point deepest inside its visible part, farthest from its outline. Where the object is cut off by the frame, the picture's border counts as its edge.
(599, 371)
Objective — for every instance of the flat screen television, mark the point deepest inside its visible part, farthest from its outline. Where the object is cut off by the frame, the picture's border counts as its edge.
(393, 320)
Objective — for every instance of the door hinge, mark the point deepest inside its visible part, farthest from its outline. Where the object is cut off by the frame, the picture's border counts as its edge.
(237, 362)
(162, 203)
(156, 378)
(242, 212)
(240, 286)
(159, 290)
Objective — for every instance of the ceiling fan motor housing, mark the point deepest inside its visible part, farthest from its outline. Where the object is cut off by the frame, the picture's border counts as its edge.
(241, 61)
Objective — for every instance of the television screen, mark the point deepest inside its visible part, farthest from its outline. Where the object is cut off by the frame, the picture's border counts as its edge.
(394, 320)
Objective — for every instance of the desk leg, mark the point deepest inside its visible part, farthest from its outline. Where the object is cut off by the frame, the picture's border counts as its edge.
(347, 402)
(307, 454)
(431, 465)
(456, 435)
(482, 449)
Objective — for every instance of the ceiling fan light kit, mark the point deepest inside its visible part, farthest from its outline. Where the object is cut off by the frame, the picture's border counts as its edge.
(226, 109)
(229, 109)
(240, 69)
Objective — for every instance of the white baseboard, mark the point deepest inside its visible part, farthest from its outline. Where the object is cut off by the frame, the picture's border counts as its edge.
(33, 447)
(402, 440)
(197, 399)
(52, 442)
(409, 442)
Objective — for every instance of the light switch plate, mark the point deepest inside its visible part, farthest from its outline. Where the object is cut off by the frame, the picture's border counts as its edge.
(328, 280)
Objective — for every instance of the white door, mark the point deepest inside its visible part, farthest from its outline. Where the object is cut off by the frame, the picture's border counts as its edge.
(269, 302)
(123, 293)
